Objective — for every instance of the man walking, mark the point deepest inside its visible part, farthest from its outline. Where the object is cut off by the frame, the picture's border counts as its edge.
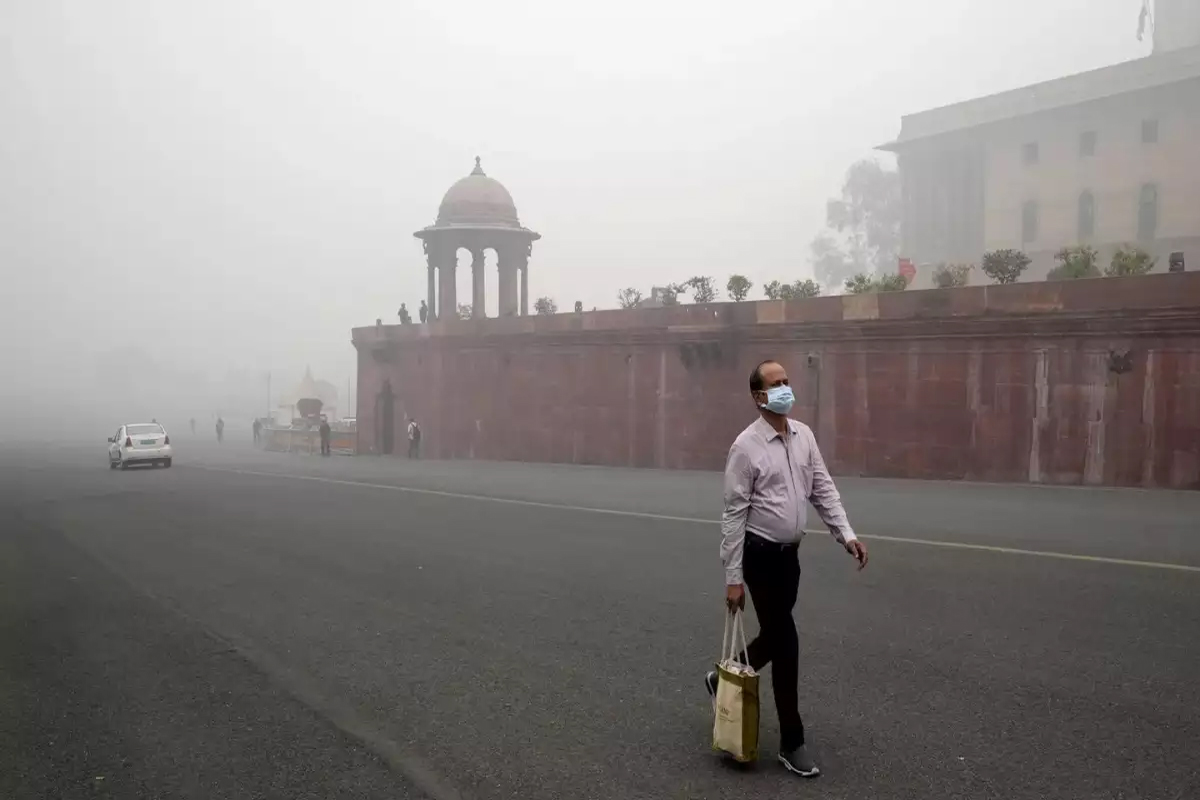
(774, 469)
(325, 432)
(414, 439)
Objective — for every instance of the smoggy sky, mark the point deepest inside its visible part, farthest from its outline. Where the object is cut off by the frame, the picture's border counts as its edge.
(234, 183)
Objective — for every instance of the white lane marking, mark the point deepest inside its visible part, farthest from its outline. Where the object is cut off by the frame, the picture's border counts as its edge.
(1016, 551)
(458, 495)
(987, 548)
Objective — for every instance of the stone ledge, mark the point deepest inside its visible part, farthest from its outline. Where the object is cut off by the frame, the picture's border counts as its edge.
(1147, 295)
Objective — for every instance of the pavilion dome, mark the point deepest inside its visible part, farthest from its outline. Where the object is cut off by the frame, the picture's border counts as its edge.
(478, 200)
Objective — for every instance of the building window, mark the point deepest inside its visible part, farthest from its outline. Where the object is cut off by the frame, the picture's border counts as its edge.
(1029, 153)
(1087, 216)
(1029, 222)
(1147, 212)
(1087, 144)
(1149, 131)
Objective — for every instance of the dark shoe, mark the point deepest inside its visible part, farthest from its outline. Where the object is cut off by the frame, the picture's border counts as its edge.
(799, 762)
(710, 682)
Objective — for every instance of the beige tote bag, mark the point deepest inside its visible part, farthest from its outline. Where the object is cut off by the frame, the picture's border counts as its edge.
(735, 729)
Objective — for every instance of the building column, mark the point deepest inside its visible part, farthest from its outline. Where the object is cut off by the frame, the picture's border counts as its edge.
(506, 266)
(478, 299)
(431, 299)
(525, 288)
(447, 296)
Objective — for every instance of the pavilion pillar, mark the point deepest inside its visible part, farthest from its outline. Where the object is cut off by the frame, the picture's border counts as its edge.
(430, 300)
(447, 295)
(507, 267)
(525, 288)
(478, 299)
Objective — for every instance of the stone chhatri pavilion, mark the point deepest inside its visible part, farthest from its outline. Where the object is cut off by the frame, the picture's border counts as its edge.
(478, 214)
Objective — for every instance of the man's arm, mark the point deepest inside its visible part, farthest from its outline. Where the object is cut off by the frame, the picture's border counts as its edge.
(828, 503)
(739, 486)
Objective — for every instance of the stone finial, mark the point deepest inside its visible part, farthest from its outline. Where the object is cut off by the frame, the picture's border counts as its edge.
(478, 167)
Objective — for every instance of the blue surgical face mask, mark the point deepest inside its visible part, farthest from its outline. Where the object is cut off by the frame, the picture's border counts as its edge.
(779, 400)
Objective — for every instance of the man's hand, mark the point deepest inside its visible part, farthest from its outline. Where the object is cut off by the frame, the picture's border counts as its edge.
(859, 550)
(735, 597)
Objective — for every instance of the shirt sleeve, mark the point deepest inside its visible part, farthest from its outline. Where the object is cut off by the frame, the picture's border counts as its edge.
(739, 487)
(825, 498)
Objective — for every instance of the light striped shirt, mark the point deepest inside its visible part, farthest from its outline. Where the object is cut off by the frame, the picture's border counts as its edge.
(769, 480)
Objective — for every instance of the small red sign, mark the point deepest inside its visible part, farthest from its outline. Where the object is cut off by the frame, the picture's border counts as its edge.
(907, 269)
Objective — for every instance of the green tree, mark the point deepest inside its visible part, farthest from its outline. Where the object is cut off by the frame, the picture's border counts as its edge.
(1130, 260)
(670, 293)
(829, 262)
(1004, 266)
(702, 288)
(739, 287)
(629, 297)
(545, 306)
(862, 225)
(948, 276)
(1075, 263)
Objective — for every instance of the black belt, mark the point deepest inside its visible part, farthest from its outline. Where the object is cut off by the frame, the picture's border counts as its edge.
(767, 544)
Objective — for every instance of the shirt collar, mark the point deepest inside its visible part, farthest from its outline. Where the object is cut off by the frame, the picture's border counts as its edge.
(767, 431)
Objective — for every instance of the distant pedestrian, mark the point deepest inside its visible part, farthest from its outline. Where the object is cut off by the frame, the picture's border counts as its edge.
(405, 317)
(414, 439)
(193, 421)
(774, 470)
(423, 312)
(257, 428)
(326, 432)
(220, 430)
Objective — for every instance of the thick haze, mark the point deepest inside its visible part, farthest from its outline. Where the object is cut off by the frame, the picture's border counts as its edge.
(233, 185)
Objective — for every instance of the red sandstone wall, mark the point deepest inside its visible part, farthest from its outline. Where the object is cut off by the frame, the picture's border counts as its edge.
(1094, 382)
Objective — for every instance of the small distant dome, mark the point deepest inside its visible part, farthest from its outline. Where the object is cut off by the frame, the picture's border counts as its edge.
(478, 200)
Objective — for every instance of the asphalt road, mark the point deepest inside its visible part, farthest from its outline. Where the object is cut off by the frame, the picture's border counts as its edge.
(251, 625)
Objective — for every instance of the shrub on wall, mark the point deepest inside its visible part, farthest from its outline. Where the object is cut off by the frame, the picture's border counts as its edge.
(792, 291)
(860, 284)
(1074, 263)
(891, 283)
(1130, 260)
(806, 288)
(1004, 266)
(949, 276)
(866, 284)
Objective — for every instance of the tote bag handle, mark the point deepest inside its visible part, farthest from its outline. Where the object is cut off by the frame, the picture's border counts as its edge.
(735, 628)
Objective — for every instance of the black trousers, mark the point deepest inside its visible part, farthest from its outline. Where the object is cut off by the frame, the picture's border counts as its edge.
(772, 574)
(324, 446)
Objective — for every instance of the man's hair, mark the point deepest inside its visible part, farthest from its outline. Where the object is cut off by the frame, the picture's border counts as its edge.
(756, 378)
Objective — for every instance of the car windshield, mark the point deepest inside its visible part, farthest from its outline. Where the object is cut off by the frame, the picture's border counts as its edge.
(143, 430)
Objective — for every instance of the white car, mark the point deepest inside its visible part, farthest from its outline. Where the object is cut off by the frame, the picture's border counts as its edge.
(143, 443)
